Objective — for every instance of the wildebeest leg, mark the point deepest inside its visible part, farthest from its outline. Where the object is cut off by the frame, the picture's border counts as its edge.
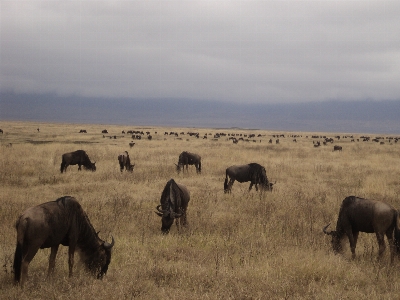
(389, 235)
(71, 251)
(251, 185)
(231, 181)
(79, 167)
(353, 242)
(52, 260)
(381, 242)
(184, 219)
(177, 222)
(27, 256)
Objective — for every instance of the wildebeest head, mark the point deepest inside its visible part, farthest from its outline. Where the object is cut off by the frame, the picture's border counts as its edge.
(167, 218)
(98, 262)
(336, 239)
(91, 166)
(178, 167)
(265, 184)
(130, 167)
(170, 207)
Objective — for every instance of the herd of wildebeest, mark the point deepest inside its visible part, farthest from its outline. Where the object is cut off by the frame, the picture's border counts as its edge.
(64, 222)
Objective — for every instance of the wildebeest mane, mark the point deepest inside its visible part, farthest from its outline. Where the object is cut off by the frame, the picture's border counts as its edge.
(171, 187)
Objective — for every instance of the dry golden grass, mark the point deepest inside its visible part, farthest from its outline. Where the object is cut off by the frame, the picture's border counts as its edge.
(245, 245)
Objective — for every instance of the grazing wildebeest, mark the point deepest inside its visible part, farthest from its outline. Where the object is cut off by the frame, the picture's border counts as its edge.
(50, 224)
(78, 157)
(1, 130)
(104, 131)
(125, 162)
(252, 172)
(337, 148)
(370, 216)
(187, 158)
(82, 131)
(174, 202)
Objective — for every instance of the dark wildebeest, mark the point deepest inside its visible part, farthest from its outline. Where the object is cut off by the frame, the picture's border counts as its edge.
(125, 162)
(370, 216)
(337, 148)
(174, 202)
(1, 130)
(104, 131)
(252, 172)
(78, 157)
(187, 158)
(50, 224)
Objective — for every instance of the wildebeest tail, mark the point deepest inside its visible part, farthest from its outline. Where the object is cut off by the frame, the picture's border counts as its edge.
(17, 262)
(62, 165)
(199, 166)
(226, 183)
(397, 232)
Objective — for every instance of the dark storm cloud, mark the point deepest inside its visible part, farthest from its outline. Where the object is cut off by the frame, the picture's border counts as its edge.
(241, 51)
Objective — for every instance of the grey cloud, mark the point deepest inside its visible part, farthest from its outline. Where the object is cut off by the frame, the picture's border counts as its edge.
(241, 51)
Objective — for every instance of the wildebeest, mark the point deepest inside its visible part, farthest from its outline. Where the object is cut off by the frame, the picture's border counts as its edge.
(125, 162)
(78, 157)
(252, 172)
(50, 224)
(1, 130)
(337, 148)
(370, 216)
(104, 131)
(174, 202)
(187, 158)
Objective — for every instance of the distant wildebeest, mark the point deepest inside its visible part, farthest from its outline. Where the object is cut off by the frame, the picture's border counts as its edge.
(82, 131)
(370, 216)
(187, 158)
(104, 131)
(78, 157)
(125, 162)
(50, 224)
(131, 144)
(337, 148)
(252, 172)
(174, 202)
(1, 130)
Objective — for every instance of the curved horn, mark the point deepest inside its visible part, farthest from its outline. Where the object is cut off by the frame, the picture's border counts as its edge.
(177, 215)
(160, 210)
(326, 232)
(109, 246)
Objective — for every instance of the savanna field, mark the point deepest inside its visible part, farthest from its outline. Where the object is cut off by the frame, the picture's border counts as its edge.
(243, 245)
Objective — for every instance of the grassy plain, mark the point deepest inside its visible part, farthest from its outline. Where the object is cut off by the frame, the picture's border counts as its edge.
(245, 245)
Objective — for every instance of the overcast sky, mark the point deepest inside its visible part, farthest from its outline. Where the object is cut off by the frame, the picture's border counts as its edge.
(242, 51)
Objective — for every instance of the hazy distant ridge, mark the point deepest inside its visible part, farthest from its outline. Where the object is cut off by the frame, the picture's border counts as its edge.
(331, 116)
